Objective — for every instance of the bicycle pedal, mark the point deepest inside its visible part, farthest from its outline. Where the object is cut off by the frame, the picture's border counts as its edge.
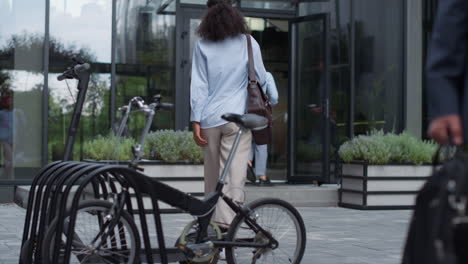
(187, 252)
(201, 249)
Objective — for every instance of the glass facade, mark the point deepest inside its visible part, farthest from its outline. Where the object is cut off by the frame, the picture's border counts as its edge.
(143, 48)
(21, 87)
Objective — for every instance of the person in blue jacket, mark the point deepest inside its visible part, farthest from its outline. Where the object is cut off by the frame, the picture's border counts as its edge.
(446, 73)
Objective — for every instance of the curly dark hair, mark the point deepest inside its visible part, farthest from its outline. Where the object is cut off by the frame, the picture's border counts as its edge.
(221, 21)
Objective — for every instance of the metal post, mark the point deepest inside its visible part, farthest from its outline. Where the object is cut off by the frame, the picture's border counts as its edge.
(292, 100)
(45, 91)
(326, 95)
(352, 92)
(113, 67)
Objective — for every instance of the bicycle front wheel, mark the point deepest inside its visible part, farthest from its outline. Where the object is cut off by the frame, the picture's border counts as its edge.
(281, 220)
(121, 244)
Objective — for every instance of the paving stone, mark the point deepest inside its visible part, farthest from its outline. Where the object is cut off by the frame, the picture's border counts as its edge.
(334, 235)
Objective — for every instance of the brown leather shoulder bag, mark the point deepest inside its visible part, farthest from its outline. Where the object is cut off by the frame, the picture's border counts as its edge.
(258, 102)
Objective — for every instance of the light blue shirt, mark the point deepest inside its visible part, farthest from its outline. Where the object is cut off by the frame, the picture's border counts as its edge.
(270, 89)
(220, 78)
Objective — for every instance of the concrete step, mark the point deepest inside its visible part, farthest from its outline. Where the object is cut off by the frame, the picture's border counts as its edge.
(298, 195)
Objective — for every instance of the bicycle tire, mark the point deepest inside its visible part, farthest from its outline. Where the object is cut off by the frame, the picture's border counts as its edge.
(96, 205)
(256, 207)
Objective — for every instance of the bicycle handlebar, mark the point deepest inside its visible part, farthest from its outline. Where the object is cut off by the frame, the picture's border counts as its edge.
(139, 102)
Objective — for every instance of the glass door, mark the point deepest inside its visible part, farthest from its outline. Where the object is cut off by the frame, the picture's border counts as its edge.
(309, 120)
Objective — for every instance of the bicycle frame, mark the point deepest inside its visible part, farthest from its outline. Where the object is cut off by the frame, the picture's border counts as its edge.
(150, 112)
(143, 185)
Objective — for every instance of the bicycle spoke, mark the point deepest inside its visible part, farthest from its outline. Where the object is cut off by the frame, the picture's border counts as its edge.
(288, 260)
(115, 253)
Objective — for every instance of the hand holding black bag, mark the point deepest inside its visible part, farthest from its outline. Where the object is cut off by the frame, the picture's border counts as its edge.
(438, 232)
(257, 101)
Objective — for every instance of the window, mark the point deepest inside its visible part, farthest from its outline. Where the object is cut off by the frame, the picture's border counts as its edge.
(145, 55)
(21, 86)
(379, 65)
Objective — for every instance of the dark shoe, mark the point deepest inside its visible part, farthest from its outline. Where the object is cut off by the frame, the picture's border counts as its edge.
(266, 182)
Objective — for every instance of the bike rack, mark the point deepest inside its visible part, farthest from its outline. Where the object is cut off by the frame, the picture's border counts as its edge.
(52, 196)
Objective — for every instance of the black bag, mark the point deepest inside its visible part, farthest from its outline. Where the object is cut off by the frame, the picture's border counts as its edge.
(258, 102)
(438, 231)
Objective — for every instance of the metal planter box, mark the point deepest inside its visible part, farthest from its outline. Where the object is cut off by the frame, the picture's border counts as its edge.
(367, 186)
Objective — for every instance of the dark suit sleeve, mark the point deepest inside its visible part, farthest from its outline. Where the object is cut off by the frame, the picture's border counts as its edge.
(447, 58)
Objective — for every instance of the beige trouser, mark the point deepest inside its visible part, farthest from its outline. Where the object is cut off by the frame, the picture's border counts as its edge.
(220, 140)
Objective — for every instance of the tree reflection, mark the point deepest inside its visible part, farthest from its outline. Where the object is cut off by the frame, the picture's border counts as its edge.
(32, 44)
(23, 53)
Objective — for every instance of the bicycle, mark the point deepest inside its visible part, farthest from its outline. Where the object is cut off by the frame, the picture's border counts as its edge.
(99, 231)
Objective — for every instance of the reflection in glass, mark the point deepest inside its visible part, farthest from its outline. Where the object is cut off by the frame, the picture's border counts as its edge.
(310, 81)
(379, 59)
(193, 2)
(21, 85)
(79, 28)
(145, 55)
(274, 5)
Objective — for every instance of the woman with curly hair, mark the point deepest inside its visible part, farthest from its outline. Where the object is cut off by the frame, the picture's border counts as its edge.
(219, 86)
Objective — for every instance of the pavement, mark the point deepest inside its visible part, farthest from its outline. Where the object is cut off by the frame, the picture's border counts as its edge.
(334, 235)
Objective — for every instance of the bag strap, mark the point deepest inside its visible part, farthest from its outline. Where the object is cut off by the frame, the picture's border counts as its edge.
(252, 77)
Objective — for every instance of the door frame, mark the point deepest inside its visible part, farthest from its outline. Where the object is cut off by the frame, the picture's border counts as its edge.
(301, 178)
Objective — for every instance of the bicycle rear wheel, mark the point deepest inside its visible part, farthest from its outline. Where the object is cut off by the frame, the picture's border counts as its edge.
(278, 218)
(121, 246)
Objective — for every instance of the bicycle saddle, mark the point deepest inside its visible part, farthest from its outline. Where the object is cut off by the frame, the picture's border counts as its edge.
(249, 121)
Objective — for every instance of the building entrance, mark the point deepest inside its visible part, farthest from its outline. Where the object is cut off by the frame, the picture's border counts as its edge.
(295, 51)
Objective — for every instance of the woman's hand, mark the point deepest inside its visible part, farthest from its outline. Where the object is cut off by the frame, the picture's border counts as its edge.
(197, 135)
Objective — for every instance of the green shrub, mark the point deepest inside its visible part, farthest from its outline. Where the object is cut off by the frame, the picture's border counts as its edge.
(189, 149)
(165, 145)
(108, 148)
(173, 146)
(380, 148)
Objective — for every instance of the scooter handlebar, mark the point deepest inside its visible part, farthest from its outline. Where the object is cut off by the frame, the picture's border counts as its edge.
(74, 71)
(165, 106)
